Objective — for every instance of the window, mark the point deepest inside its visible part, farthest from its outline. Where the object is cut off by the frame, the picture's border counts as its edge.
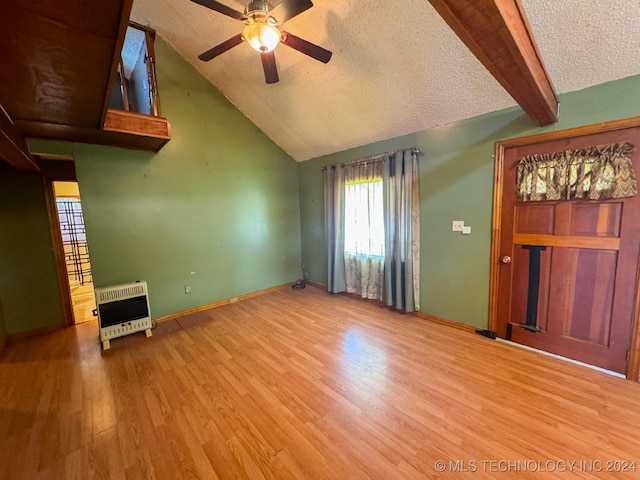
(372, 228)
(364, 219)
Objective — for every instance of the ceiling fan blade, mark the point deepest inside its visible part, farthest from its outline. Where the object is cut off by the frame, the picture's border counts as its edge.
(308, 48)
(269, 66)
(223, 47)
(219, 7)
(288, 9)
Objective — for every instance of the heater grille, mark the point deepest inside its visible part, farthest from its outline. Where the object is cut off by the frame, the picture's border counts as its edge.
(121, 292)
(122, 310)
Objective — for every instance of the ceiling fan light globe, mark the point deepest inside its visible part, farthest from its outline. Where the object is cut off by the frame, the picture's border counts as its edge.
(262, 36)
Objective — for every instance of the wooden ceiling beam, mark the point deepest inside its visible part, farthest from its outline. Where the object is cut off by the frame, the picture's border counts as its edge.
(13, 146)
(498, 34)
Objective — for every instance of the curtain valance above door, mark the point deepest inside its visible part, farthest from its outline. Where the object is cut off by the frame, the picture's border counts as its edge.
(595, 173)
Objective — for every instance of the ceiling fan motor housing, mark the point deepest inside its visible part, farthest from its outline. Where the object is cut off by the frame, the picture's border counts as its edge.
(261, 29)
(257, 6)
(262, 32)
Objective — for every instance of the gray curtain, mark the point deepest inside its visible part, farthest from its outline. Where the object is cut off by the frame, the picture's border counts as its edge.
(402, 231)
(334, 227)
(401, 281)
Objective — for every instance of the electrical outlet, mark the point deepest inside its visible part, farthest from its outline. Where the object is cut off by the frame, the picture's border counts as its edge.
(187, 289)
(457, 225)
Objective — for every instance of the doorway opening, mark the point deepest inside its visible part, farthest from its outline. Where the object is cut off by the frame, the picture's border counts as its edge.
(76, 253)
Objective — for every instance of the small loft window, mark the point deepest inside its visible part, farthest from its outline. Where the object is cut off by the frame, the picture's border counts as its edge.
(135, 89)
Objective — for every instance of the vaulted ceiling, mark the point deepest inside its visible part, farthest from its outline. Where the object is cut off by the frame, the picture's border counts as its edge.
(397, 67)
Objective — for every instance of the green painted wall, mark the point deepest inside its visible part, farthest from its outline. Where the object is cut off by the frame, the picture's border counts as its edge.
(456, 183)
(29, 294)
(220, 199)
(223, 201)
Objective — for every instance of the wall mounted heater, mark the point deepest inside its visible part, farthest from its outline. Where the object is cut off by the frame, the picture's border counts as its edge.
(123, 309)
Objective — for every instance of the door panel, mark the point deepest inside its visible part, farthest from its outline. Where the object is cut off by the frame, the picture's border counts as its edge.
(584, 305)
(600, 220)
(535, 219)
(588, 268)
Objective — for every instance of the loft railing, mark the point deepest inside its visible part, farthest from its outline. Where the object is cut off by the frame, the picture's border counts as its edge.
(136, 89)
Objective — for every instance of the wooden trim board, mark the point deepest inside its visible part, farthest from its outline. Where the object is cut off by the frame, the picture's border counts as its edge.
(598, 243)
(316, 284)
(421, 315)
(50, 328)
(220, 303)
(35, 332)
(227, 301)
(447, 323)
(58, 251)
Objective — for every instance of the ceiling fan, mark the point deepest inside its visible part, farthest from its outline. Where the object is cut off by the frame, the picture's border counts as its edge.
(262, 30)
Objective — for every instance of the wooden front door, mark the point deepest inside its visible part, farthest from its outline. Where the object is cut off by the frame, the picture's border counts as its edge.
(569, 267)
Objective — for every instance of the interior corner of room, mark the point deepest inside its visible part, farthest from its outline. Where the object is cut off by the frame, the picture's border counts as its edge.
(193, 170)
(221, 196)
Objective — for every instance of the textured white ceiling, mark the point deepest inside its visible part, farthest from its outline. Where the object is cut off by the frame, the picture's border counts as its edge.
(133, 42)
(397, 68)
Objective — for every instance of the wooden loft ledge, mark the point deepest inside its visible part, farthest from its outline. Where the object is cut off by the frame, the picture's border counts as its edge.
(498, 34)
(59, 80)
(121, 129)
(13, 146)
(140, 131)
(134, 115)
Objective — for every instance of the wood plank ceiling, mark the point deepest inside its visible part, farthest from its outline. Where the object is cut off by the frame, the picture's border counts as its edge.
(59, 58)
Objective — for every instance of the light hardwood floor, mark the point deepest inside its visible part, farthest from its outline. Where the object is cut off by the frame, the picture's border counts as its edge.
(303, 385)
(84, 302)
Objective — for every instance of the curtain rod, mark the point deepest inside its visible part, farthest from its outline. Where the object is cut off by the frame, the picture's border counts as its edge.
(374, 157)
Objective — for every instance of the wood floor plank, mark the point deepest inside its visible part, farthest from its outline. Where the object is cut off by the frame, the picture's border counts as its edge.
(303, 385)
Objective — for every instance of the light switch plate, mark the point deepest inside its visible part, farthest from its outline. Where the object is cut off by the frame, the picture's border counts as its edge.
(457, 225)
(466, 230)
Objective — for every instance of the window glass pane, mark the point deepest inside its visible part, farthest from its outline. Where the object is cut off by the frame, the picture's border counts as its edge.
(364, 223)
